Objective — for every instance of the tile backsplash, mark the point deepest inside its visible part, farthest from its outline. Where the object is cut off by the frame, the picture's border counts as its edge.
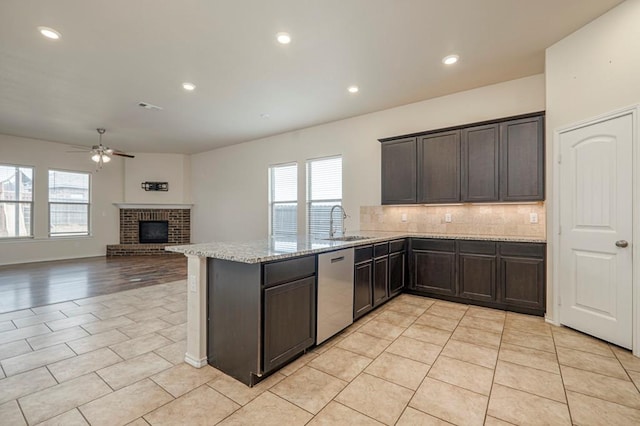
(512, 220)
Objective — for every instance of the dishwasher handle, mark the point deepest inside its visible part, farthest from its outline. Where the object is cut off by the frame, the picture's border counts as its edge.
(337, 259)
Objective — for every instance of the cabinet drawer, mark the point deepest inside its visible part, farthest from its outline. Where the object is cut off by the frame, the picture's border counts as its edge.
(380, 249)
(433, 244)
(363, 253)
(396, 246)
(477, 247)
(288, 270)
(522, 249)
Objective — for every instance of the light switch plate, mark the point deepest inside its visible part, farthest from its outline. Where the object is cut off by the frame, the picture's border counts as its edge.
(403, 217)
(447, 217)
(192, 283)
(533, 217)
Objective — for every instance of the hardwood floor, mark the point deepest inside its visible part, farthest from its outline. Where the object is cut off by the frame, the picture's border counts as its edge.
(35, 284)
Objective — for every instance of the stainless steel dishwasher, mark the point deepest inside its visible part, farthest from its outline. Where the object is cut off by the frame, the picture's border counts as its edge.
(335, 292)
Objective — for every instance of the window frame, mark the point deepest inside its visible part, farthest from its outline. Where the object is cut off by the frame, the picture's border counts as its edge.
(273, 204)
(339, 221)
(17, 202)
(87, 203)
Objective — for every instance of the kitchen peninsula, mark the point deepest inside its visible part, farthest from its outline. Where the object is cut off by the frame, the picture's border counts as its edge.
(241, 320)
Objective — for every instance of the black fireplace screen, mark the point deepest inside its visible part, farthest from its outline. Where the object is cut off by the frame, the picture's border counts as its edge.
(153, 231)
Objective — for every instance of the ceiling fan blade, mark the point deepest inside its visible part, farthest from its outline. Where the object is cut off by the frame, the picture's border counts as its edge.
(122, 154)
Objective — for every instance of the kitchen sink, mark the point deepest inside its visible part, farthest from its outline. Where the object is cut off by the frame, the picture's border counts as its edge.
(349, 238)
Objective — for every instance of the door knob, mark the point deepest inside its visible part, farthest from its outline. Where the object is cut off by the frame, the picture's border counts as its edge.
(622, 243)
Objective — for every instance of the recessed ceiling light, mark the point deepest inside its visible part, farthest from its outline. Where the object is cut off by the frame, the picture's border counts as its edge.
(188, 86)
(265, 116)
(283, 38)
(49, 33)
(450, 60)
(353, 89)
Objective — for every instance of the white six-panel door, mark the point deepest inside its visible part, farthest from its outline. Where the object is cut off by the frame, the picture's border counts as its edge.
(595, 254)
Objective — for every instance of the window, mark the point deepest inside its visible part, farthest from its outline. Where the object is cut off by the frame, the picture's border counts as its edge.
(283, 199)
(324, 190)
(68, 203)
(16, 201)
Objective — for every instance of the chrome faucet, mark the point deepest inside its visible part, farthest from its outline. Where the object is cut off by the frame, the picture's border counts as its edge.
(344, 216)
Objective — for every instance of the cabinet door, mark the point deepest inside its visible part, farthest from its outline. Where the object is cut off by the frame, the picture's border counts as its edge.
(380, 280)
(399, 171)
(396, 272)
(434, 272)
(439, 167)
(522, 282)
(477, 277)
(522, 162)
(289, 321)
(480, 158)
(363, 289)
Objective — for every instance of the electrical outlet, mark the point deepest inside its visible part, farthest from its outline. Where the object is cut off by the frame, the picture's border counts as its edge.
(447, 217)
(403, 217)
(533, 217)
(192, 283)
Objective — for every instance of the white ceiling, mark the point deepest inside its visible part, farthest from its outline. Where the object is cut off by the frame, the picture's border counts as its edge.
(116, 53)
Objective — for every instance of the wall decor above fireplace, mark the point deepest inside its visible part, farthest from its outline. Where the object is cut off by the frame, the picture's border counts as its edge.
(155, 186)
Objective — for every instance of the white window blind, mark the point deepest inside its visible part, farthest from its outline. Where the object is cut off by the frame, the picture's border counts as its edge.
(283, 200)
(69, 195)
(324, 190)
(16, 201)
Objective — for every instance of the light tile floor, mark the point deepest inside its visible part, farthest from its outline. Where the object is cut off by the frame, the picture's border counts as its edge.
(117, 359)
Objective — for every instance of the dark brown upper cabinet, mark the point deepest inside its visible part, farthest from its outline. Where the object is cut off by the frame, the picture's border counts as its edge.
(498, 160)
(439, 167)
(399, 175)
(480, 157)
(522, 162)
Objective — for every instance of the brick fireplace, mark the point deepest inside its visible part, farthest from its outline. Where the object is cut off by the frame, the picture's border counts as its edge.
(178, 218)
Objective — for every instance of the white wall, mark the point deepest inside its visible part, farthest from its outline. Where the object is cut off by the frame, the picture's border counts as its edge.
(591, 72)
(172, 168)
(230, 189)
(106, 188)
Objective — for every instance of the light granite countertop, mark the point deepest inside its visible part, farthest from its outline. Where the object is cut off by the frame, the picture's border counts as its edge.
(266, 250)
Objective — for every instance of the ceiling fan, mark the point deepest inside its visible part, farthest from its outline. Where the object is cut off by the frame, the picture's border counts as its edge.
(102, 154)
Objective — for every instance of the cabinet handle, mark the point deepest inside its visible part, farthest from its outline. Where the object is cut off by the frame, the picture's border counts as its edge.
(337, 259)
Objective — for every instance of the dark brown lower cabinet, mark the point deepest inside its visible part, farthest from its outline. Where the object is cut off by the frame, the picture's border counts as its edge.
(397, 266)
(260, 315)
(363, 290)
(380, 273)
(522, 275)
(501, 275)
(289, 321)
(477, 270)
(380, 280)
(396, 272)
(433, 265)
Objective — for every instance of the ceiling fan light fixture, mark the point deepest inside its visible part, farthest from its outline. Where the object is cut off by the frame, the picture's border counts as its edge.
(105, 158)
(450, 60)
(96, 158)
(283, 38)
(50, 33)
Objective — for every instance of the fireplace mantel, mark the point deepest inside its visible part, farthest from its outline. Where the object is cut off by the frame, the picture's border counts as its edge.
(138, 206)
